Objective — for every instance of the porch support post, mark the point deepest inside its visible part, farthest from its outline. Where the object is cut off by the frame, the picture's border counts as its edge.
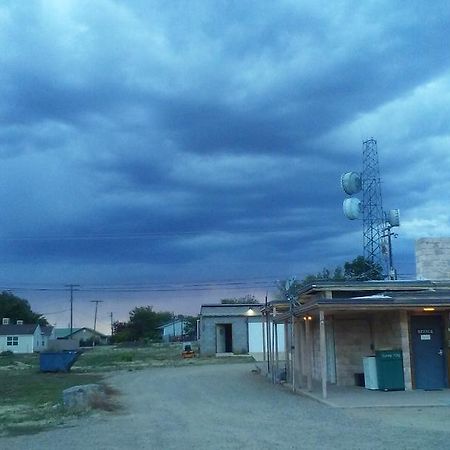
(404, 333)
(272, 353)
(263, 325)
(323, 353)
(277, 356)
(286, 351)
(297, 371)
(273, 330)
(308, 355)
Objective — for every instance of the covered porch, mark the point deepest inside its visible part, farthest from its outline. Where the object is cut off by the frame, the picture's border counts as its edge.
(332, 339)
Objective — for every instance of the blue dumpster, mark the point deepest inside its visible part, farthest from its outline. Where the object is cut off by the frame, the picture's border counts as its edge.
(57, 361)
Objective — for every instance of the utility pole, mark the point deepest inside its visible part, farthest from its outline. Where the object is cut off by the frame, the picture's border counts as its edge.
(95, 318)
(112, 324)
(72, 288)
(95, 315)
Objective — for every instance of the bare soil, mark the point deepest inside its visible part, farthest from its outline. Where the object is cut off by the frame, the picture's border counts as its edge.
(229, 407)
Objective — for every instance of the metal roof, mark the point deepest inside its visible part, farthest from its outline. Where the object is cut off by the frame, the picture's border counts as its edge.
(228, 309)
(374, 285)
(65, 332)
(172, 323)
(18, 329)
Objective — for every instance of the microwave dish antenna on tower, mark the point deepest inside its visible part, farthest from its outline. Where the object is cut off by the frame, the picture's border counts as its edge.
(352, 208)
(351, 183)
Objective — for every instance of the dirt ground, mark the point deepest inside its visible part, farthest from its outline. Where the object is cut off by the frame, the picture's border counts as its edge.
(229, 407)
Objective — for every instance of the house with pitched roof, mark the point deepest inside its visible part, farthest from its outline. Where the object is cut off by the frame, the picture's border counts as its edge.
(20, 337)
(83, 336)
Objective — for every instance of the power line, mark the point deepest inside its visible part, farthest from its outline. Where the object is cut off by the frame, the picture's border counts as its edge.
(55, 312)
(228, 284)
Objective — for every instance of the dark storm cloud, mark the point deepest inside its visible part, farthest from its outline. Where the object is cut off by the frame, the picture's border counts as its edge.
(145, 141)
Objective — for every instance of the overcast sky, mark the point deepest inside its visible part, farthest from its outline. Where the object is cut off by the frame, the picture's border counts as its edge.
(173, 153)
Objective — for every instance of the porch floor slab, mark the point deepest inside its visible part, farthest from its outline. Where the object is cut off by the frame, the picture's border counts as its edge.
(360, 397)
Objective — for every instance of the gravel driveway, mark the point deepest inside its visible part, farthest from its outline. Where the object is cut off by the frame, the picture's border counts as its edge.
(229, 407)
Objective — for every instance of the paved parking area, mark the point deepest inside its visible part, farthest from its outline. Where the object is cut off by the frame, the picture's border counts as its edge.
(227, 406)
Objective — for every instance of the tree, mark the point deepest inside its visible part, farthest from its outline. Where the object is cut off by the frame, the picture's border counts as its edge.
(190, 327)
(16, 308)
(363, 270)
(360, 269)
(143, 324)
(288, 290)
(246, 300)
(120, 332)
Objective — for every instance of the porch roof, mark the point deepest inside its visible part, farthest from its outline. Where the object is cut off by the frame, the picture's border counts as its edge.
(383, 300)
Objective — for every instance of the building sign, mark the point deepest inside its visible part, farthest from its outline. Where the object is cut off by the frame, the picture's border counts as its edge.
(425, 334)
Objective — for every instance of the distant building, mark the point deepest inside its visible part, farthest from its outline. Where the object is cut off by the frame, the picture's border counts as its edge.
(83, 336)
(433, 259)
(233, 329)
(21, 338)
(174, 330)
(47, 334)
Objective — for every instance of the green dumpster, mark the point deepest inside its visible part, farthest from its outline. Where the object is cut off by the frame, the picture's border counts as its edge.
(390, 370)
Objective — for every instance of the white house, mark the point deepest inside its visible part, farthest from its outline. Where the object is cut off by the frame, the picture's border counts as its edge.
(21, 338)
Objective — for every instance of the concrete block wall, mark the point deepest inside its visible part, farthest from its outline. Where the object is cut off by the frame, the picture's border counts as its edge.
(208, 334)
(433, 259)
(386, 331)
(352, 343)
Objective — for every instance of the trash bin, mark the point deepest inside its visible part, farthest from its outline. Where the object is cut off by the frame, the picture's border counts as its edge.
(359, 379)
(57, 361)
(370, 372)
(390, 370)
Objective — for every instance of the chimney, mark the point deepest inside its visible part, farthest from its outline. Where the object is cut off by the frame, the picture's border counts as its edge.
(5, 321)
(19, 322)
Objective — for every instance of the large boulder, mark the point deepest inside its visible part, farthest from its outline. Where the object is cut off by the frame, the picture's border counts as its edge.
(85, 396)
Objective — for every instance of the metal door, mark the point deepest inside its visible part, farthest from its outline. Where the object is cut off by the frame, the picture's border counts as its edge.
(428, 352)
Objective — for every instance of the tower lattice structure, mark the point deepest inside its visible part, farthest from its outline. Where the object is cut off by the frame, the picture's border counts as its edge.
(372, 206)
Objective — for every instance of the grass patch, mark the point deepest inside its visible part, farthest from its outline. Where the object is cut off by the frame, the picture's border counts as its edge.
(31, 401)
(35, 388)
(103, 359)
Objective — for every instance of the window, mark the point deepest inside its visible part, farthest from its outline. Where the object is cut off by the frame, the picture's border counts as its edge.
(12, 340)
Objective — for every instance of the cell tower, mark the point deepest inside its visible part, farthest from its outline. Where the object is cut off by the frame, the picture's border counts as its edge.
(372, 205)
(377, 244)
